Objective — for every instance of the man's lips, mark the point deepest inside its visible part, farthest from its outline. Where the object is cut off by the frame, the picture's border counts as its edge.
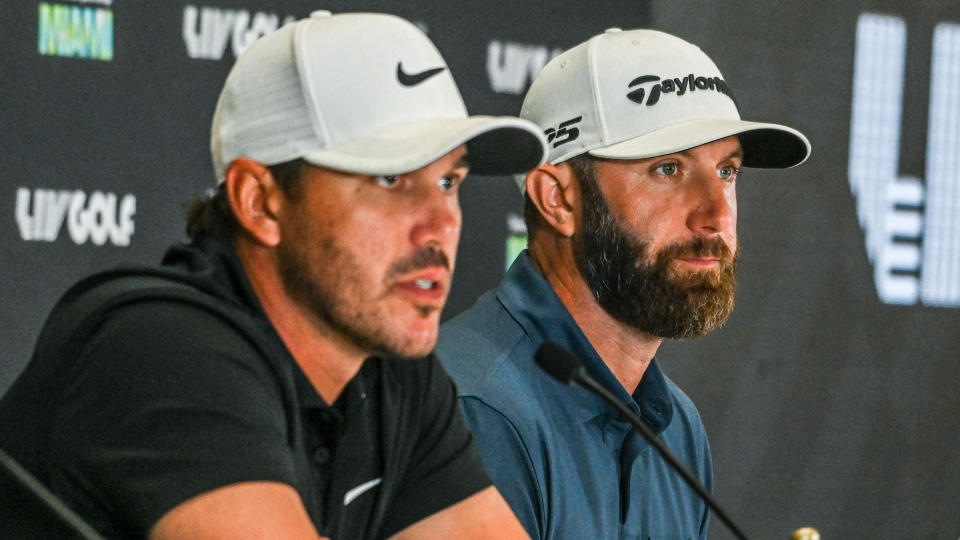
(428, 286)
(701, 262)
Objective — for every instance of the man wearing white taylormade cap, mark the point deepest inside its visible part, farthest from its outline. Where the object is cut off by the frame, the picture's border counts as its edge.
(273, 378)
(632, 239)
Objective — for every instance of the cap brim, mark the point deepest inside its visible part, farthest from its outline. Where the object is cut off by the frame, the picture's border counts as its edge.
(768, 146)
(495, 146)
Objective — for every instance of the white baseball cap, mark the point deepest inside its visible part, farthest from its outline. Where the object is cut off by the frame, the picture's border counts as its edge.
(642, 93)
(361, 92)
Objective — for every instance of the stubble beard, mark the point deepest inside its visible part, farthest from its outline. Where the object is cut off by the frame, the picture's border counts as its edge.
(651, 296)
(329, 281)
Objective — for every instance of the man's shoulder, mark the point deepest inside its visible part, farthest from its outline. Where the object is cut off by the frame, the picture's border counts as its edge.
(110, 315)
(680, 398)
(486, 320)
(154, 294)
(490, 357)
(686, 422)
(479, 344)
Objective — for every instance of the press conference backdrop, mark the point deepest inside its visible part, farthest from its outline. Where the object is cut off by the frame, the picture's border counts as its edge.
(831, 395)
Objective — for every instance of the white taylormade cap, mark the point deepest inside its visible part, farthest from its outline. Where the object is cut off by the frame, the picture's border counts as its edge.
(363, 93)
(642, 93)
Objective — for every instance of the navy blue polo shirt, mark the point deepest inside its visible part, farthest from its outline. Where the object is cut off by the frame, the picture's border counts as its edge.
(566, 462)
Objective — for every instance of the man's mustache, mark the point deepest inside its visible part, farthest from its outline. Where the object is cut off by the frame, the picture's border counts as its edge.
(426, 257)
(698, 247)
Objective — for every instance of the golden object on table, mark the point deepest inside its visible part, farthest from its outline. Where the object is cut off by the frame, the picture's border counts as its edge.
(805, 533)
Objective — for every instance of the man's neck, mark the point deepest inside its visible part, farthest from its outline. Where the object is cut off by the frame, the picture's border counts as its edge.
(327, 359)
(625, 350)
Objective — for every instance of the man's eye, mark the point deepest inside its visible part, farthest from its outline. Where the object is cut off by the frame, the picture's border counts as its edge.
(667, 169)
(728, 172)
(388, 182)
(448, 182)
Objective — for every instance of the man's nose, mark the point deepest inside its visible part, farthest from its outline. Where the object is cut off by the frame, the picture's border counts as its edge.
(714, 207)
(438, 218)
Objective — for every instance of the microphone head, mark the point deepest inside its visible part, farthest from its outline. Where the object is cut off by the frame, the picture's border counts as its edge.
(558, 362)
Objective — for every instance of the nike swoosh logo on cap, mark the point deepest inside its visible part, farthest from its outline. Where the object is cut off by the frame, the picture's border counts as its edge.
(349, 496)
(413, 79)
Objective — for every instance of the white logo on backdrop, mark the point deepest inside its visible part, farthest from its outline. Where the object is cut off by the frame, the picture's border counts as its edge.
(911, 225)
(513, 66)
(207, 30)
(97, 218)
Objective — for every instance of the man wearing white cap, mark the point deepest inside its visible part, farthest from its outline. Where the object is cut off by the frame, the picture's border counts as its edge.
(632, 239)
(273, 379)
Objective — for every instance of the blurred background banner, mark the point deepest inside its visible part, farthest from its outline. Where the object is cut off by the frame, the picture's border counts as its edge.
(830, 396)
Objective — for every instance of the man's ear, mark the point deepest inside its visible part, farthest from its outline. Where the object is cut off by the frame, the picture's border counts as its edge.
(256, 200)
(552, 190)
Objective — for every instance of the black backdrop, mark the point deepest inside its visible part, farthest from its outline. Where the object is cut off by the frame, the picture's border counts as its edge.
(830, 396)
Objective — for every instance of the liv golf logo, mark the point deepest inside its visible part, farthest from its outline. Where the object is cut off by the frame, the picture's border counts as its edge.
(911, 225)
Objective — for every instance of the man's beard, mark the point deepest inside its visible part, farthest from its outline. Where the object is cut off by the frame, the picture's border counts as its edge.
(650, 296)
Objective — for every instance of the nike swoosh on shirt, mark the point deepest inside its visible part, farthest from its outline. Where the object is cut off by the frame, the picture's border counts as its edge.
(413, 79)
(352, 494)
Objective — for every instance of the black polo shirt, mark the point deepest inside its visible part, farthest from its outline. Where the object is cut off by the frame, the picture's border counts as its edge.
(167, 392)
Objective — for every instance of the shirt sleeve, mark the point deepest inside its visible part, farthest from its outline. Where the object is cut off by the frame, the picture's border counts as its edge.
(167, 401)
(508, 462)
(444, 467)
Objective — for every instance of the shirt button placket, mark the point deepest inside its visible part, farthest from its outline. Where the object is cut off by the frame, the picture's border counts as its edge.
(321, 455)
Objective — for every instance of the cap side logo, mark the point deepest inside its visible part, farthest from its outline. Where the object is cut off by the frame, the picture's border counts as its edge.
(563, 133)
(413, 79)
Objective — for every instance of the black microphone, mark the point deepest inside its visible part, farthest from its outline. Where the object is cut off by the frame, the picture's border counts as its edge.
(564, 366)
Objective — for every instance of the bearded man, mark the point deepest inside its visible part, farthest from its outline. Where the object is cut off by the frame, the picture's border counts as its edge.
(632, 239)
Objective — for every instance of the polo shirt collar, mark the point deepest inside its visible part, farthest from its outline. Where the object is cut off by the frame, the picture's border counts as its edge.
(351, 398)
(532, 302)
(217, 263)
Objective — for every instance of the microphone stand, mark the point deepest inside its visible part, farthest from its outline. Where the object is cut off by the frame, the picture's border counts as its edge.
(51, 502)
